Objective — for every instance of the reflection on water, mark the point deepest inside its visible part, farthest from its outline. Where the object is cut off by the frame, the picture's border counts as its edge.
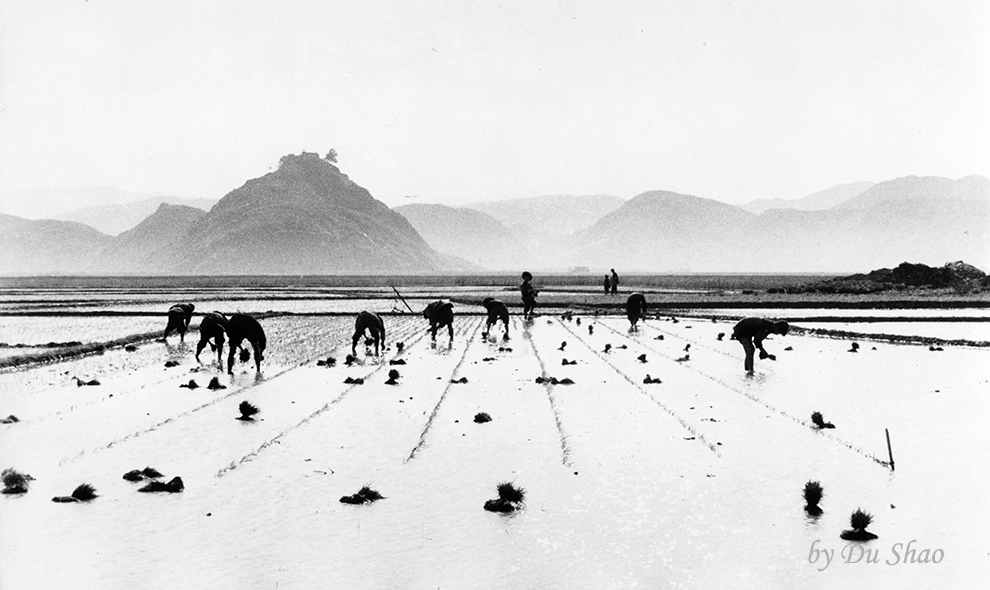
(619, 491)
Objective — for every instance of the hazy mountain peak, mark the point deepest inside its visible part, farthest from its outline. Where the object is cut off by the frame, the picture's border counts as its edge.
(55, 203)
(305, 218)
(818, 201)
(929, 188)
(469, 234)
(560, 214)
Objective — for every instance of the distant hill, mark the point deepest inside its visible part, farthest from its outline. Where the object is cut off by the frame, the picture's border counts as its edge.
(959, 276)
(309, 218)
(543, 225)
(567, 213)
(661, 230)
(304, 218)
(819, 201)
(115, 218)
(468, 234)
(154, 245)
(47, 203)
(39, 247)
(911, 218)
(933, 189)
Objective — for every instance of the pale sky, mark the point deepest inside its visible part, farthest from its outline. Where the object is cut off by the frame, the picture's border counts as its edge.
(463, 101)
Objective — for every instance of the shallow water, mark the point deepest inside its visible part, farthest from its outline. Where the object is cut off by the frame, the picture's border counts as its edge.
(691, 483)
(975, 331)
(879, 312)
(32, 330)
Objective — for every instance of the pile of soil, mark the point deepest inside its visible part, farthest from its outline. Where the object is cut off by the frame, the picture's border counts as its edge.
(959, 276)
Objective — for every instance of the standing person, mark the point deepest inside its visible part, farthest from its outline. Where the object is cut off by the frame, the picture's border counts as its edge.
(615, 283)
(528, 295)
(178, 320)
(496, 311)
(212, 328)
(608, 284)
(750, 332)
(635, 310)
(241, 327)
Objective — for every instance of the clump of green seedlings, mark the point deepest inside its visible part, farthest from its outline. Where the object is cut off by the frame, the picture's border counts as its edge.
(482, 417)
(174, 486)
(15, 482)
(365, 495)
(142, 474)
(813, 493)
(248, 411)
(510, 498)
(819, 422)
(859, 520)
(83, 493)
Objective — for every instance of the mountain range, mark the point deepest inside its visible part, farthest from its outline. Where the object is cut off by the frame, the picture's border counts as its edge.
(819, 201)
(925, 219)
(472, 235)
(115, 218)
(544, 224)
(308, 217)
(305, 218)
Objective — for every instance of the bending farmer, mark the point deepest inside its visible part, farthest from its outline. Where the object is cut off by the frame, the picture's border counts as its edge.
(750, 332)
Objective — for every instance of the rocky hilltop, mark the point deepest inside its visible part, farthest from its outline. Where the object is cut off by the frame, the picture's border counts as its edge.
(305, 218)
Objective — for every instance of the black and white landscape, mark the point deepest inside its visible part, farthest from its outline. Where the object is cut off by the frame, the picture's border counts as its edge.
(384, 294)
(313, 219)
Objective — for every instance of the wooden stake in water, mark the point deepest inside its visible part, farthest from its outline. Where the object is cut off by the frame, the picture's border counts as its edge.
(889, 452)
(402, 299)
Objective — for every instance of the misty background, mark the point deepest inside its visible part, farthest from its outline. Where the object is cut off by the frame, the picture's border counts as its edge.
(564, 135)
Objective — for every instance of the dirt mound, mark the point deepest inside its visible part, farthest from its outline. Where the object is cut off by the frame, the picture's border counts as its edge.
(960, 276)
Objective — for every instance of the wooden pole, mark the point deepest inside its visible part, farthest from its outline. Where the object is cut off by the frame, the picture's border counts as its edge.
(402, 299)
(889, 452)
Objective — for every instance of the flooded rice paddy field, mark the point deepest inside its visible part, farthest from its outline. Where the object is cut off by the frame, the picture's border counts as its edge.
(693, 482)
(972, 330)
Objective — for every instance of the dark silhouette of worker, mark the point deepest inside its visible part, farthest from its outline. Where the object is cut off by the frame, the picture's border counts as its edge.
(635, 310)
(212, 327)
(374, 325)
(750, 332)
(615, 283)
(608, 284)
(528, 295)
(440, 313)
(241, 327)
(496, 311)
(178, 320)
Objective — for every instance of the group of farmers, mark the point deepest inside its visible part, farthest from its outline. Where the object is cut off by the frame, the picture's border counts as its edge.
(238, 328)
